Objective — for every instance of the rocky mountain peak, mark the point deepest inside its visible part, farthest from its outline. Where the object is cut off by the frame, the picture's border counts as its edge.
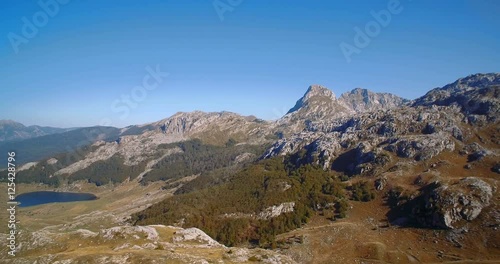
(318, 90)
(314, 93)
(358, 90)
(318, 103)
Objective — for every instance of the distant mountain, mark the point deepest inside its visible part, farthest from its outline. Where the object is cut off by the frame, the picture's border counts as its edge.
(309, 124)
(12, 131)
(37, 148)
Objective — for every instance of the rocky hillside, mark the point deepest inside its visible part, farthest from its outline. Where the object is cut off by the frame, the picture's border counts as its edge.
(451, 93)
(215, 128)
(476, 95)
(144, 150)
(137, 244)
(421, 131)
(457, 120)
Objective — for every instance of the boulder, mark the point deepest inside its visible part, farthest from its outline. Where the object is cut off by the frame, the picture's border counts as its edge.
(381, 183)
(496, 168)
(421, 147)
(449, 206)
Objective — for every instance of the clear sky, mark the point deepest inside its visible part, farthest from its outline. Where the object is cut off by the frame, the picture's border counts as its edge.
(259, 59)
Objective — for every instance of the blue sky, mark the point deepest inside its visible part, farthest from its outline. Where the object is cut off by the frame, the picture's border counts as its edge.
(258, 60)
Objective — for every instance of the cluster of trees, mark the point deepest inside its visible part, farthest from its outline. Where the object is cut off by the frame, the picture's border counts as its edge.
(223, 210)
(40, 173)
(101, 172)
(209, 179)
(196, 158)
(107, 171)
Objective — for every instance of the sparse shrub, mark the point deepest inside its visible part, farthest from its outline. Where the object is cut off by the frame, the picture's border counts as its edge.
(362, 191)
(344, 177)
(254, 259)
(342, 207)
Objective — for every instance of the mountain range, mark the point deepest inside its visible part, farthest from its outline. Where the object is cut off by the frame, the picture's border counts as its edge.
(430, 163)
(317, 103)
(14, 131)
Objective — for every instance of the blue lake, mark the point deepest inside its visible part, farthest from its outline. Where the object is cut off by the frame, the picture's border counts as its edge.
(43, 197)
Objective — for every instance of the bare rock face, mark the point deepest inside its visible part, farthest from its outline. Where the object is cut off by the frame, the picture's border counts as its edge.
(124, 231)
(314, 94)
(214, 125)
(450, 205)
(422, 147)
(477, 95)
(366, 157)
(320, 103)
(417, 133)
(317, 103)
(277, 210)
(363, 100)
(496, 168)
(380, 183)
(269, 212)
(196, 235)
